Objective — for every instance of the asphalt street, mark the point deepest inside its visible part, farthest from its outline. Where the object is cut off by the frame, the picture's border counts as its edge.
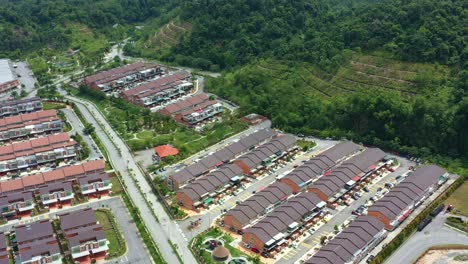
(136, 253)
(122, 160)
(341, 216)
(213, 148)
(78, 128)
(435, 234)
(229, 202)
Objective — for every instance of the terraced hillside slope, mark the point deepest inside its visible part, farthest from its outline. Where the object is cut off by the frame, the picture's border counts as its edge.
(156, 43)
(371, 98)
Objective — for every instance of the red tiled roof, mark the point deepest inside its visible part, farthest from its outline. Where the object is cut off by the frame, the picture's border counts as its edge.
(51, 176)
(73, 170)
(94, 165)
(37, 145)
(7, 186)
(33, 180)
(166, 150)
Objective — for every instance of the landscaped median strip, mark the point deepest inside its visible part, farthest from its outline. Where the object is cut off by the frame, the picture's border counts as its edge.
(134, 212)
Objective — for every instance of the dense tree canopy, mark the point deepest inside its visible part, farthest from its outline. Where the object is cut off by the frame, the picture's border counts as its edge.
(28, 25)
(227, 33)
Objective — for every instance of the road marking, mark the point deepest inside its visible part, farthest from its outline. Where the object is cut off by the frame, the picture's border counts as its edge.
(307, 245)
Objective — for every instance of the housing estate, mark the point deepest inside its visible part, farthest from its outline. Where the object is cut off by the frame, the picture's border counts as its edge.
(30, 124)
(15, 107)
(122, 78)
(85, 236)
(181, 177)
(227, 178)
(161, 90)
(353, 243)
(37, 244)
(26, 154)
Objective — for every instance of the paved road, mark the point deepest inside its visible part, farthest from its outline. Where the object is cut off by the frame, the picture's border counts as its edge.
(213, 148)
(78, 128)
(341, 216)
(229, 201)
(124, 163)
(434, 234)
(135, 252)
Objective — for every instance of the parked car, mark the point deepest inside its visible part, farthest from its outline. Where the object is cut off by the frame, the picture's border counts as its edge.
(437, 210)
(424, 223)
(366, 189)
(255, 250)
(311, 231)
(389, 185)
(359, 210)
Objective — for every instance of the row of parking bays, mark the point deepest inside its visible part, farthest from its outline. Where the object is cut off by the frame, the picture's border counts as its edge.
(312, 223)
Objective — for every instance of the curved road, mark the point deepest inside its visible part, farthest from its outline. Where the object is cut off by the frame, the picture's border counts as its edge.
(435, 234)
(162, 231)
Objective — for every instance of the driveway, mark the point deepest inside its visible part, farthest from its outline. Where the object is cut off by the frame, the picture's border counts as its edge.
(230, 201)
(339, 217)
(435, 234)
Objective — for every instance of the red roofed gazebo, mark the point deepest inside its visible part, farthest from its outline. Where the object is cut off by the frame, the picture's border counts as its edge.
(164, 151)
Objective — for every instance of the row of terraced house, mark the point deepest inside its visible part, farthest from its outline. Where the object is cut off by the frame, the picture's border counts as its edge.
(193, 110)
(56, 188)
(353, 243)
(224, 172)
(149, 86)
(275, 217)
(38, 243)
(122, 78)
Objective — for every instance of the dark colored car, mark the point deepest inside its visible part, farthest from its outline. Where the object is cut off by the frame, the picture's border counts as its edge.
(255, 250)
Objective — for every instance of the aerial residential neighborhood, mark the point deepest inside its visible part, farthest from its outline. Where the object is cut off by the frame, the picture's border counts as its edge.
(233, 132)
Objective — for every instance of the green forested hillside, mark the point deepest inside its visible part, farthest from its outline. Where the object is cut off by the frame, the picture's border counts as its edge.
(387, 72)
(390, 73)
(30, 25)
(227, 33)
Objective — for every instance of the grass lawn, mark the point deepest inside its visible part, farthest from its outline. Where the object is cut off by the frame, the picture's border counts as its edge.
(48, 106)
(459, 200)
(145, 134)
(305, 145)
(215, 233)
(113, 236)
(116, 187)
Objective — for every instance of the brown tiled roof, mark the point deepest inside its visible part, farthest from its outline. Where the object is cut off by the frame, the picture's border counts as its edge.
(211, 182)
(85, 234)
(37, 145)
(54, 187)
(278, 221)
(410, 190)
(349, 242)
(34, 231)
(223, 155)
(318, 165)
(184, 104)
(358, 165)
(114, 74)
(77, 219)
(255, 206)
(39, 248)
(278, 144)
(157, 85)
